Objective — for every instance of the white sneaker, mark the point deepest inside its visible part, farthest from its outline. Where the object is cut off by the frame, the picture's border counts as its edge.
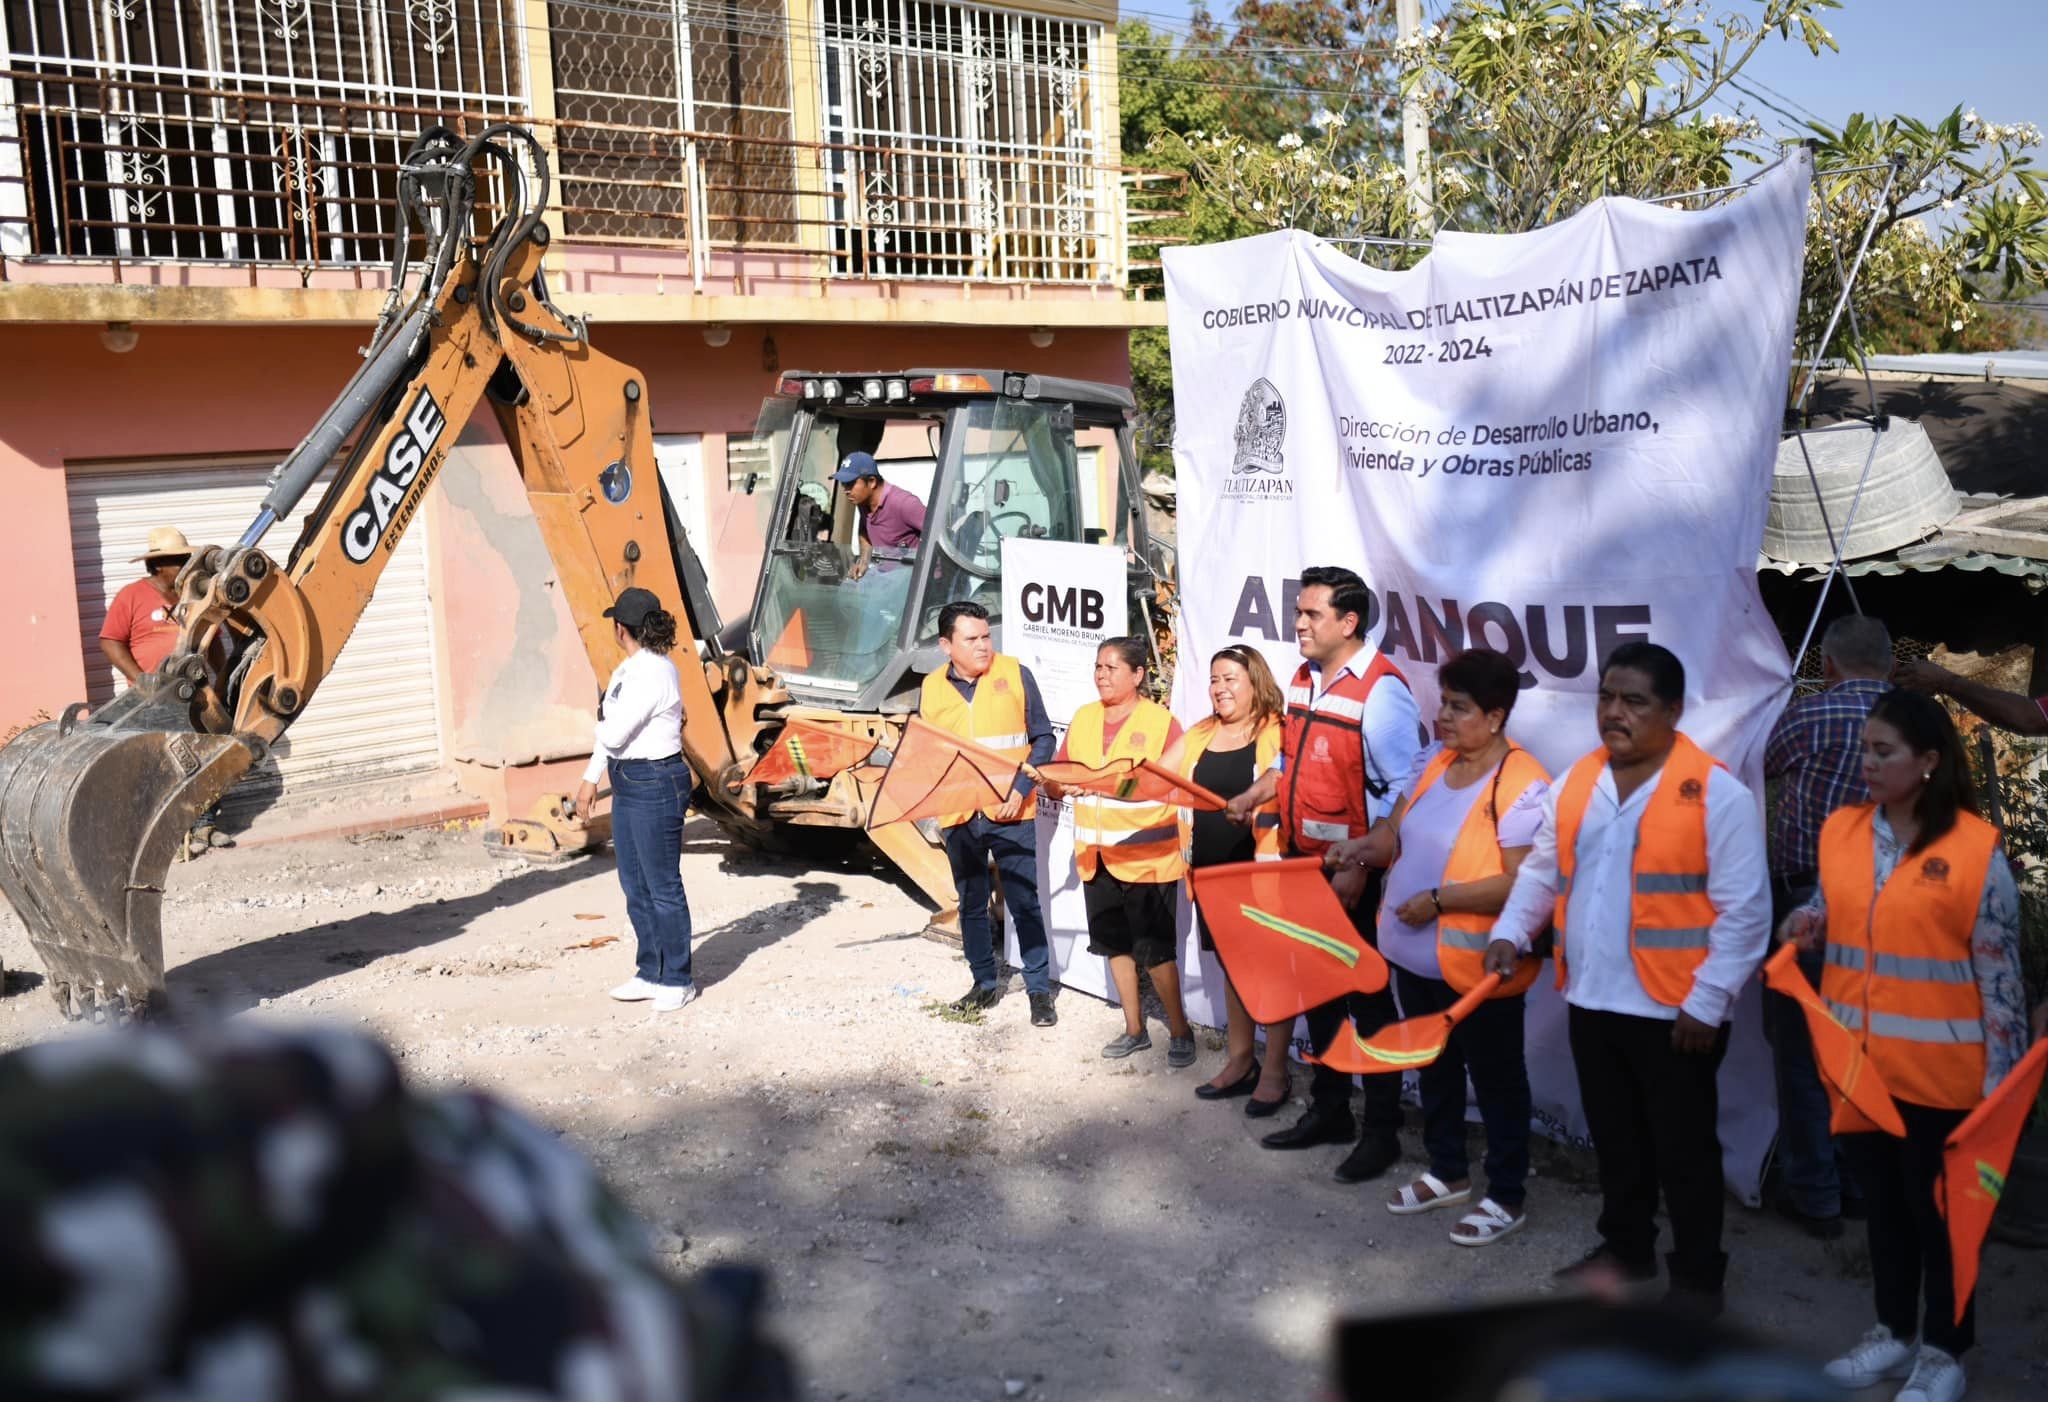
(636, 990)
(668, 999)
(1879, 1357)
(1936, 1378)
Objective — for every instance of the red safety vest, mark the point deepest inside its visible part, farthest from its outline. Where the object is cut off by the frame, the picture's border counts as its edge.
(1322, 787)
(1670, 914)
(1898, 961)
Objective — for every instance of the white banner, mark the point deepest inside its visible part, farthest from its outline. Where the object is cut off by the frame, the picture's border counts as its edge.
(1060, 601)
(1547, 443)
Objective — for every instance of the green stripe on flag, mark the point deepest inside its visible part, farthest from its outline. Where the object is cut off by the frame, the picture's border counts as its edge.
(1990, 1180)
(1336, 949)
(1394, 1058)
(796, 753)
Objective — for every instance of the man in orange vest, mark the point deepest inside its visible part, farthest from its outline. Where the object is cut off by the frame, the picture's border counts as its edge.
(1353, 731)
(1650, 865)
(992, 699)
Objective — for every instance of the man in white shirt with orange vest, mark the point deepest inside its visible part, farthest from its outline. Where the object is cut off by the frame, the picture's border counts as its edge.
(1353, 732)
(992, 699)
(1650, 864)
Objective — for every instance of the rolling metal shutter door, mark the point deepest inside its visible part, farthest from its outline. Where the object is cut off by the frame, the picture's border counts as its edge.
(376, 714)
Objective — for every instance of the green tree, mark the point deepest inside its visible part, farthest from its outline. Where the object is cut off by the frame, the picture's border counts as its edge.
(1540, 106)
(1280, 62)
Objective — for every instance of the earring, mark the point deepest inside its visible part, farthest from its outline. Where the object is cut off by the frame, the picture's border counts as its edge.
(1928, 777)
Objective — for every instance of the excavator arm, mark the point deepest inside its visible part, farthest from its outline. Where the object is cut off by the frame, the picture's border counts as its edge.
(92, 810)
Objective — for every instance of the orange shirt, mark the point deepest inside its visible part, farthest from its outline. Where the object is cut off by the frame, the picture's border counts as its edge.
(140, 618)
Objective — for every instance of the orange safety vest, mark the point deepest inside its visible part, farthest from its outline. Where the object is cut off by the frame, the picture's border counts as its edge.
(1898, 959)
(1669, 913)
(1137, 841)
(1322, 786)
(1462, 936)
(994, 720)
(1266, 844)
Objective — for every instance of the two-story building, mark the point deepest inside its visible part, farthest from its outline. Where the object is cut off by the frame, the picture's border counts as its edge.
(196, 219)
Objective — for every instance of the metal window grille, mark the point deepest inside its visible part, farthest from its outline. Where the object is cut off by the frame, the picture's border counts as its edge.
(674, 121)
(965, 143)
(240, 130)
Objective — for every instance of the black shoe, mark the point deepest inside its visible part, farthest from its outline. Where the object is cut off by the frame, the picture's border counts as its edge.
(978, 999)
(1257, 1109)
(1318, 1126)
(1819, 1228)
(1243, 1085)
(1701, 1305)
(1605, 1260)
(1696, 1293)
(1042, 1014)
(1375, 1154)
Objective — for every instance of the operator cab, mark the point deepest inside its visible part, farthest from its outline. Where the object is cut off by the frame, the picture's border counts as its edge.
(992, 455)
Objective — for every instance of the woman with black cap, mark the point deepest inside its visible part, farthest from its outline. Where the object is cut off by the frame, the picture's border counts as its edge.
(639, 745)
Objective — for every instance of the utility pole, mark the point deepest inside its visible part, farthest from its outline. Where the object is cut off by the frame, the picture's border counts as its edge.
(1415, 130)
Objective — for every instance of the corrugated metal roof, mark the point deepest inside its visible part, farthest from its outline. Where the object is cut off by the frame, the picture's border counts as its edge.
(1915, 562)
(2008, 364)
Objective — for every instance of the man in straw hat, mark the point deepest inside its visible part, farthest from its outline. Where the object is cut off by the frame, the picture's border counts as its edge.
(140, 630)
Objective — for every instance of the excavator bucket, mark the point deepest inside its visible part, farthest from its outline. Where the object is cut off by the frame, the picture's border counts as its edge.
(91, 814)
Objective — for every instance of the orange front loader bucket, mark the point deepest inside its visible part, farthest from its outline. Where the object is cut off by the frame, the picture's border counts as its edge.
(91, 814)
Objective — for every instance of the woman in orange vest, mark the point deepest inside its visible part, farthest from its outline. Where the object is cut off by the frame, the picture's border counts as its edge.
(1226, 752)
(1467, 816)
(1128, 851)
(1920, 919)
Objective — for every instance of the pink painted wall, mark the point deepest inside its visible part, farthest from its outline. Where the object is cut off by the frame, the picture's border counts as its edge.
(183, 391)
(516, 685)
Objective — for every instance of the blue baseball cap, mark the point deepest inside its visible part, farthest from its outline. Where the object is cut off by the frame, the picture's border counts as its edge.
(855, 467)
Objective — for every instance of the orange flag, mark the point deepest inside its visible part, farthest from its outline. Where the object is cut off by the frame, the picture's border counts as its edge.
(1284, 937)
(935, 773)
(1072, 774)
(804, 750)
(1142, 782)
(1973, 1164)
(1862, 1100)
(1403, 1046)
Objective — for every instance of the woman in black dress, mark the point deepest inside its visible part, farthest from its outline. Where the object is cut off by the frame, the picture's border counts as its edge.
(1225, 753)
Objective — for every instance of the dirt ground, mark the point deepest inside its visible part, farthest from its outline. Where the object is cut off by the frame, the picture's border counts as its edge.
(949, 1211)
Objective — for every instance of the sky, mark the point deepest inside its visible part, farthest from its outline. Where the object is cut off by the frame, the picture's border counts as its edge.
(1916, 57)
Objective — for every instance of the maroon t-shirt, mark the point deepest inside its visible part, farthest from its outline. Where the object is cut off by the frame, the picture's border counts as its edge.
(895, 521)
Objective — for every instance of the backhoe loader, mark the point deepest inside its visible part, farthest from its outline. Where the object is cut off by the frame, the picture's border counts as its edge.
(93, 807)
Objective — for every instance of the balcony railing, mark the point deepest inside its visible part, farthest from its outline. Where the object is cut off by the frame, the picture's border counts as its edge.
(104, 168)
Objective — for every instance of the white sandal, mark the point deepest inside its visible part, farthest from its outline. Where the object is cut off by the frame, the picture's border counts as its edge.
(1408, 1202)
(1486, 1224)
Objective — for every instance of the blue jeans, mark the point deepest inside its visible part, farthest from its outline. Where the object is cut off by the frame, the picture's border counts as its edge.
(649, 799)
(1809, 1173)
(970, 846)
(1489, 1045)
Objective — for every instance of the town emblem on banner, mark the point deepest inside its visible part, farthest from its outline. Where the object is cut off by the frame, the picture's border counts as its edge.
(1259, 466)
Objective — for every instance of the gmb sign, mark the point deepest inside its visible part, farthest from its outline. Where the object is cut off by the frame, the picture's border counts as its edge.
(1060, 600)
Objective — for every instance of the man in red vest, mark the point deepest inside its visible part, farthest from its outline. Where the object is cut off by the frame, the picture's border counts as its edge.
(1650, 866)
(1353, 731)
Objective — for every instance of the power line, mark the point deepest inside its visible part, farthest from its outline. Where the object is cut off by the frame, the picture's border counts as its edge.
(1798, 123)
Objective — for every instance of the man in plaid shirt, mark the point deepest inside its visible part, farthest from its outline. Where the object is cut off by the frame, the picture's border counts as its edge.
(1816, 754)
